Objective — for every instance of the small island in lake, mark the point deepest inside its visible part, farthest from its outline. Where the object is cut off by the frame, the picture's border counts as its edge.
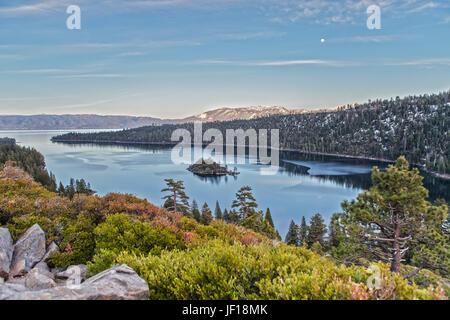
(207, 168)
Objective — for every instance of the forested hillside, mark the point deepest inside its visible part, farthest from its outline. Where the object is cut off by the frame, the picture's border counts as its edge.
(28, 159)
(415, 126)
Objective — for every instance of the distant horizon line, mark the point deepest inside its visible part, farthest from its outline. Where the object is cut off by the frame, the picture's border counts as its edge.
(219, 108)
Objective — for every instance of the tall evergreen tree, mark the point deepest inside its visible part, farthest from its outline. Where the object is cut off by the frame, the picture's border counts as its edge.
(394, 217)
(177, 199)
(245, 202)
(268, 217)
(292, 236)
(207, 216)
(234, 217)
(303, 231)
(316, 231)
(218, 211)
(226, 216)
(195, 211)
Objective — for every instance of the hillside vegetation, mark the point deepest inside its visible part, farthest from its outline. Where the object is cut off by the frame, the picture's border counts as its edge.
(181, 258)
(417, 127)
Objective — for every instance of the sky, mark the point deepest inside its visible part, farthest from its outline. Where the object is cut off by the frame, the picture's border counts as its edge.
(175, 58)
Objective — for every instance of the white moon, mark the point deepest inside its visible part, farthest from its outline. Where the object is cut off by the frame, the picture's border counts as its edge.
(322, 40)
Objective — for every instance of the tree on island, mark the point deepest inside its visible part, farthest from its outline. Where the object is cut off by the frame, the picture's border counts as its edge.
(207, 216)
(176, 200)
(245, 202)
(394, 218)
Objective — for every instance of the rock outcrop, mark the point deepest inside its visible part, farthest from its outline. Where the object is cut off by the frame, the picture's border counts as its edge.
(28, 251)
(6, 252)
(25, 274)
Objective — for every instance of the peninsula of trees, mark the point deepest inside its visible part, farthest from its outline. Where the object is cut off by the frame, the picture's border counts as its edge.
(415, 126)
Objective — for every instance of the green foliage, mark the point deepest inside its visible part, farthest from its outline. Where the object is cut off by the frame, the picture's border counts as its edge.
(392, 219)
(206, 217)
(268, 217)
(219, 270)
(30, 160)
(259, 224)
(176, 200)
(303, 232)
(316, 231)
(292, 236)
(195, 211)
(78, 242)
(245, 202)
(121, 233)
(218, 211)
(75, 187)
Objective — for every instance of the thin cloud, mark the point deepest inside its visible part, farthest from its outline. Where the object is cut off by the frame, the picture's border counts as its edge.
(428, 5)
(274, 63)
(99, 75)
(82, 105)
(422, 62)
(368, 39)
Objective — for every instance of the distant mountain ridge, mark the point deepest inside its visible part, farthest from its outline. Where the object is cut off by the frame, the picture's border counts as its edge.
(93, 121)
(69, 122)
(246, 113)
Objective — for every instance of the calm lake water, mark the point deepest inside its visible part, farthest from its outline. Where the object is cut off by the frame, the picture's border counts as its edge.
(304, 184)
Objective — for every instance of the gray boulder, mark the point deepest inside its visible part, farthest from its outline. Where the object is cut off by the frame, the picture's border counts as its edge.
(117, 283)
(10, 290)
(53, 247)
(28, 251)
(6, 252)
(73, 272)
(39, 278)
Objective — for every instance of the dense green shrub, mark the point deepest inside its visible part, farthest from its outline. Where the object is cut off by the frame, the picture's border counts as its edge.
(218, 270)
(78, 242)
(121, 233)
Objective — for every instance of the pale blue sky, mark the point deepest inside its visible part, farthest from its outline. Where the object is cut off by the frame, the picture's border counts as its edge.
(173, 58)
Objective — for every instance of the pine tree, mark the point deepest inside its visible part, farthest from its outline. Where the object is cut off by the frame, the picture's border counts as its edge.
(234, 217)
(207, 217)
(292, 236)
(303, 231)
(394, 217)
(316, 231)
(177, 200)
(218, 211)
(61, 189)
(226, 216)
(195, 211)
(268, 217)
(258, 223)
(245, 202)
